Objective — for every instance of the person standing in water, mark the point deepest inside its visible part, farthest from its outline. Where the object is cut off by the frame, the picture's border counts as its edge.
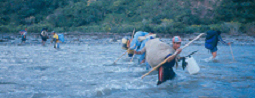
(211, 42)
(55, 40)
(24, 35)
(157, 51)
(44, 35)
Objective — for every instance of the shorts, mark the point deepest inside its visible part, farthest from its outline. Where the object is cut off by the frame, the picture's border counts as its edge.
(130, 55)
(44, 39)
(214, 49)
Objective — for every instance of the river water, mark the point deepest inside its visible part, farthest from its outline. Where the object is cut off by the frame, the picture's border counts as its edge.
(87, 70)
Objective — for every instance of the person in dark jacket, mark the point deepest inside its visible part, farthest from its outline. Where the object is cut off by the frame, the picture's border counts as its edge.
(211, 42)
(44, 35)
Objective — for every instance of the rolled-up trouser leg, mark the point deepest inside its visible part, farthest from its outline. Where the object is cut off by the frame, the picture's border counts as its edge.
(165, 73)
(55, 45)
(147, 65)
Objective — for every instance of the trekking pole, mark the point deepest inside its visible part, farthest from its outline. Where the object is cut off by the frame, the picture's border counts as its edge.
(136, 48)
(231, 52)
(123, 54)
(175, 53)
(120, 56)
(132, 57)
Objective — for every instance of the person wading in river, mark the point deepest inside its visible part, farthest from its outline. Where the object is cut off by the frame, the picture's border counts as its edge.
(55, 40)
(126, 46)
(211, 42)
(157, 51)
(24, 35)
(44, 35)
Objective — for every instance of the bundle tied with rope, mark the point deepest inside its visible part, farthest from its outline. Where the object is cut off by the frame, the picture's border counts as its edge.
(141, 38)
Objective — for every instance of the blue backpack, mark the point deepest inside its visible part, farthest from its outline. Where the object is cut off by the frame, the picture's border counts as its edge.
(61, 37)
(211, 39)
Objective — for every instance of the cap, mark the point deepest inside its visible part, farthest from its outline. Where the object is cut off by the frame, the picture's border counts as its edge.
(177, 39)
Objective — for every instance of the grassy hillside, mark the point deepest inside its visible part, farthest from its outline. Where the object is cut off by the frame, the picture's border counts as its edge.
(162, 16)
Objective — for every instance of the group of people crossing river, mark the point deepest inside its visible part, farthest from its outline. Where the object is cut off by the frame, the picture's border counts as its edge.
(161, 56)
(150, 50)
(56, 38)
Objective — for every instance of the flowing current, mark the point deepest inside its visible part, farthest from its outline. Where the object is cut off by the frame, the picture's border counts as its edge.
(87, 70)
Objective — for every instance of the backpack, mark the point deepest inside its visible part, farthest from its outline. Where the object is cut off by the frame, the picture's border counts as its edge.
(211, 39)
(61, 37)
(44, 33)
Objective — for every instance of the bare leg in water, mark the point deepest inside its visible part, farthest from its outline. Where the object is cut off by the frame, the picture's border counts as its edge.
(43, 43)
(214, 54)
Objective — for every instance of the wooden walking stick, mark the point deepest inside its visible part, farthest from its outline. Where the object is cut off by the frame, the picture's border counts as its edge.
(231, 52)
(133, 33)
(120, 57)
(123, 54)
(154, 68)
(132, 58)
(136, 48)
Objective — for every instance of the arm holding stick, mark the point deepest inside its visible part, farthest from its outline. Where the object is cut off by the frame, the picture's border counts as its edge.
(142, 51)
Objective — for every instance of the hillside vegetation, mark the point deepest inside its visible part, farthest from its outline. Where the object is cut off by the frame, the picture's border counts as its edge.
(120, 16)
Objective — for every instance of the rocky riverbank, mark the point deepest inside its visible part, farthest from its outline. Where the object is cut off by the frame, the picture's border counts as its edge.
(80, 38)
